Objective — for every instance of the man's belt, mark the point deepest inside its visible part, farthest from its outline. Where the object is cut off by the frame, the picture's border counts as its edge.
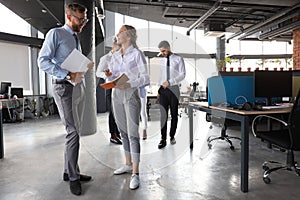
(60, 81)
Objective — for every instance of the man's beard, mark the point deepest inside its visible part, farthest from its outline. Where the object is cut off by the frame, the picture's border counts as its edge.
(77, 28)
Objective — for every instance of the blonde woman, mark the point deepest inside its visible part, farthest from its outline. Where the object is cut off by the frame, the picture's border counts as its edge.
(126, 100)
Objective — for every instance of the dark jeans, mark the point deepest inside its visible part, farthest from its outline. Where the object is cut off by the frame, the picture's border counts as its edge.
(113, 128)
(168, 98)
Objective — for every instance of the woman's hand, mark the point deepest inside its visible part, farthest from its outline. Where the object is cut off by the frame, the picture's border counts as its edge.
(107, 72)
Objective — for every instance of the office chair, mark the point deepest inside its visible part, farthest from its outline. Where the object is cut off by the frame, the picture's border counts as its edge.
(222, 122)
(287, 137)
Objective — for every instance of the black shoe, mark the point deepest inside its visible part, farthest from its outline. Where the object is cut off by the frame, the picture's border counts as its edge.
(82, 177)
(118, 136)
(115, 140)
(172, 141)
(75, 187)
(162, 144)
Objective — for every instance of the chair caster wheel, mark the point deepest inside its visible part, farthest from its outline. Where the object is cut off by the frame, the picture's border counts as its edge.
(266, 168)
(209, 146)
(267, 180)
(232, 148)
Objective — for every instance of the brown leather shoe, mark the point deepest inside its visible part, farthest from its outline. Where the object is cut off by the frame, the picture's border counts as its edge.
(115, 139)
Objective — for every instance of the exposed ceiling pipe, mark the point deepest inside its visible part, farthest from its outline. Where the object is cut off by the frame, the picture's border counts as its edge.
(49, 11)
(204, 16)
(270, 25)
(256, 26)
(280, 31)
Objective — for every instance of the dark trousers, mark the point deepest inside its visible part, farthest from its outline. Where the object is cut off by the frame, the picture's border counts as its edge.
(168, 99)
(113, 128)
(70, 103)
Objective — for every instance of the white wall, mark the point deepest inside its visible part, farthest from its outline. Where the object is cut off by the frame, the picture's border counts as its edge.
(14, 65)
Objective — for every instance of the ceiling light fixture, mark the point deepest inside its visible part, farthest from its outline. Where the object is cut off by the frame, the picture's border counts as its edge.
(204, 16)
(44, 11)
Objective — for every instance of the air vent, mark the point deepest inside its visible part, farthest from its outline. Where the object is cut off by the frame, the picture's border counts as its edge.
(214, 30)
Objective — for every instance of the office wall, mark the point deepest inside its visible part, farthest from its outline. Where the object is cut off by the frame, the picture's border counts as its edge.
(14, 66)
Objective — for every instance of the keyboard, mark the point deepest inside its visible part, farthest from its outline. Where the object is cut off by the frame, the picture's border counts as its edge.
(278, 106)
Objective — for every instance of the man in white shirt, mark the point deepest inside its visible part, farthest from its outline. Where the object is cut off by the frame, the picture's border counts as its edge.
(104, 65)
(172, 72)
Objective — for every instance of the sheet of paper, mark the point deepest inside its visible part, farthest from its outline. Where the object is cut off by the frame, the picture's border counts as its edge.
(76, 62)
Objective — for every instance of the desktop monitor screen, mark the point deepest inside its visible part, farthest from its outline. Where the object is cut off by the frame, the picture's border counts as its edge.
(4, 87)
(271, 84)
(15, 92)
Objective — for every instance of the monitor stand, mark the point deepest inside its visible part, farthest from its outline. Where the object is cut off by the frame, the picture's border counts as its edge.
(269, 101)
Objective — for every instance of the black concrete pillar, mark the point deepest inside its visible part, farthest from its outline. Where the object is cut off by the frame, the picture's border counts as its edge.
(87, 41)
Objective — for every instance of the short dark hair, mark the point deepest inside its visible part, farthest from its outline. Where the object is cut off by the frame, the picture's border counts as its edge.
(75, 7)
(164, 44)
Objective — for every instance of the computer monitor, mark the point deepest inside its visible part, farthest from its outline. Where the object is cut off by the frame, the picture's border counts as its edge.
(15, 92)
(4, 87)
(271, 84)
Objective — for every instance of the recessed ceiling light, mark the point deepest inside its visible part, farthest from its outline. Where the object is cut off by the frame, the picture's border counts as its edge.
(44, 11)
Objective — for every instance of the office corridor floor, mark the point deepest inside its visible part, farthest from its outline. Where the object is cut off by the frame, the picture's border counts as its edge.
(33, 165)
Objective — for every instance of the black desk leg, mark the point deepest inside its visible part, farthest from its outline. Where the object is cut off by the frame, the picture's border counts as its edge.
(191, 126)
(245, 154)
(1, 135)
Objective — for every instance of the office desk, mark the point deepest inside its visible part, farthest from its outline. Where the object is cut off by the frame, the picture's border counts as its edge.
(148, 104)
(12, 104)
(6, 103)
(236, 115)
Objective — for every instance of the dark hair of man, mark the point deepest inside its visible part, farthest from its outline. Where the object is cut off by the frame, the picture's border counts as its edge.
(75, 7)
(164, 44)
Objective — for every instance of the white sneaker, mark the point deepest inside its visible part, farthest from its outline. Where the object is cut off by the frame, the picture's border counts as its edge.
(123, 169)
(134, 181)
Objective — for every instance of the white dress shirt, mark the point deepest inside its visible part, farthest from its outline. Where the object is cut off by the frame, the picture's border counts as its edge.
(103, 65)
(177, 70)
(133, 64)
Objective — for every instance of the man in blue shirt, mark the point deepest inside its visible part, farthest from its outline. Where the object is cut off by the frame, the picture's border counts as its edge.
(68, 87)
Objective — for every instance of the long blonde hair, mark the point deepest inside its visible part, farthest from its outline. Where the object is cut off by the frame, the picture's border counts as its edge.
(131, 32)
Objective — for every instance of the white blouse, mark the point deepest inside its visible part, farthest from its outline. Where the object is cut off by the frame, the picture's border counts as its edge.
(133, 64)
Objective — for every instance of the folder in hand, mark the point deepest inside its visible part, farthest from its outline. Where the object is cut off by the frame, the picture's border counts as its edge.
(118, 81)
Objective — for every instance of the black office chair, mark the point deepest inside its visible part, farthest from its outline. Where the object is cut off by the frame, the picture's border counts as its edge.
(287, 137)
(223, 123)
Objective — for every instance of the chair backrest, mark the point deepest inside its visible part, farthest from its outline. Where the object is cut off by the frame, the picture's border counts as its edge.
(294, 121)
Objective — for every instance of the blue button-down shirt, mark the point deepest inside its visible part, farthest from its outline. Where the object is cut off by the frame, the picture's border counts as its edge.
(58, 44)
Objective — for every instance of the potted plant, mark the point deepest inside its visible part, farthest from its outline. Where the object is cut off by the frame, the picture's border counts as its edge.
(221, 65)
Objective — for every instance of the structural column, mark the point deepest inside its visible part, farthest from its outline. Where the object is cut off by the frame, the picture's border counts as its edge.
(296, 49)
(220, 51)
(87, 39)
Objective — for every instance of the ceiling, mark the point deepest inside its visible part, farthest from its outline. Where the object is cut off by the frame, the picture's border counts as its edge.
(247, 19)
